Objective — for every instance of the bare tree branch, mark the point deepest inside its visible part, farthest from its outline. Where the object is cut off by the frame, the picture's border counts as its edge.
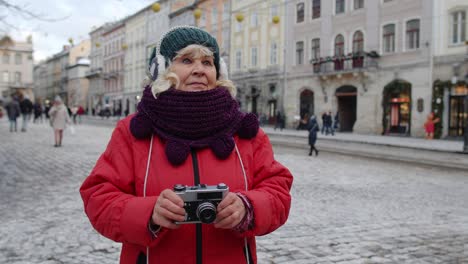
(24, 12)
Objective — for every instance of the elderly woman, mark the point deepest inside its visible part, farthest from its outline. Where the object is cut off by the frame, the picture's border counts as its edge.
(189, 145)
(59, 118)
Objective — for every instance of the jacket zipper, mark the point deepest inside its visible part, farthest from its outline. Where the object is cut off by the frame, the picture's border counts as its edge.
(198, 227)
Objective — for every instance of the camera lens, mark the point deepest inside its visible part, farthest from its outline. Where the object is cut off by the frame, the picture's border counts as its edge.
(206, 212)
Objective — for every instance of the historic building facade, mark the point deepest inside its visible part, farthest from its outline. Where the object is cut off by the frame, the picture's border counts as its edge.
(16, 66)
(368, 61)
(257, 57)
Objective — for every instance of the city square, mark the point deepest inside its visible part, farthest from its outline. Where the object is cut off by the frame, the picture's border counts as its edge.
(345, 209)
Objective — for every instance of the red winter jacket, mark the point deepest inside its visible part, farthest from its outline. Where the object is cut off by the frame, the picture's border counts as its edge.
(114, 202)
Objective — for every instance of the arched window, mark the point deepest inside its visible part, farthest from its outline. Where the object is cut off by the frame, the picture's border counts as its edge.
(339, 45)
(358, 42)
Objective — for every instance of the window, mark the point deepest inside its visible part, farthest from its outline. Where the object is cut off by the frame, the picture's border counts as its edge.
(458, 27)
(412, 34)
(253, 59)
(238, 59)
(300, 13)
(18, 58)
(238, 26)
(17, 77)
(389, 38)
(254, 19)
(273, 53)
(225, 11)
(339, 45)
(274, 10)
(315, 9)
(6, 58)
(358, 42)
(6, 76)
(358, 4)
(339, 6)
(300, 53)
(202, 20)
(315, 48)
(214, 15)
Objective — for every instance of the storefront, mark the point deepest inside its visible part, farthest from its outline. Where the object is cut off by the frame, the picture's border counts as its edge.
(457, 114)
(397, 108)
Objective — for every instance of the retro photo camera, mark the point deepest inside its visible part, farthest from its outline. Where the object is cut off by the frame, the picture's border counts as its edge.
(201, 201)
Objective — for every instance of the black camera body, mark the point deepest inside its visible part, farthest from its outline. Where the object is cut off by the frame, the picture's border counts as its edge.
(201, 201)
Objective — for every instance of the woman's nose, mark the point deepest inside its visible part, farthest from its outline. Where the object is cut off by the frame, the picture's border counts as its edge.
(198, 68)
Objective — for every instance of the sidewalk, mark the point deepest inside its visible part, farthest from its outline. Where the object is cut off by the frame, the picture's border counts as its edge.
(444, 154)
(405, 142)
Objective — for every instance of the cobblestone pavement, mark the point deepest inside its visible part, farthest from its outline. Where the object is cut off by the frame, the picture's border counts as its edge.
(345, 209)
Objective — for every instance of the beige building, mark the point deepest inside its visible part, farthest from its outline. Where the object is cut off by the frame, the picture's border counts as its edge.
(257, 58)
(368, 61)
(94, 74)
(215, 19)
(52, 77)
(113, 66)
(16, 67)
(78, 65)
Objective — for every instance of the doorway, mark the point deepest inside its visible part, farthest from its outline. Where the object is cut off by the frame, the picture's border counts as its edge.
(457, 116)
(397, 108)
(347, 107)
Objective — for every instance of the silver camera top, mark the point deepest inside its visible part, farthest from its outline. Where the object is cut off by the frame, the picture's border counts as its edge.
(201, 192)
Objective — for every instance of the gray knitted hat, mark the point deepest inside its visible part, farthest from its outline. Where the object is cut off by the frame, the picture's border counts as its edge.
(178, 38)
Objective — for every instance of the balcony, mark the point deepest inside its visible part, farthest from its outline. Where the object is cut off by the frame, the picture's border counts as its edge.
(346, 64)
(94, 73)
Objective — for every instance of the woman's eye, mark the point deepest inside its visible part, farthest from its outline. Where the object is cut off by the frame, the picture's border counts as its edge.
(186, 60)
(207, 63)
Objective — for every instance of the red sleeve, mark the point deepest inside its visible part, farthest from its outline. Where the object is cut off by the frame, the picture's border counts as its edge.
(109, 198)
(270, 189)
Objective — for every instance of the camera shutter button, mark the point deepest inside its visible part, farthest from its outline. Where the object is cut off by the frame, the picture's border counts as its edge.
(222, 186)
(179, 188)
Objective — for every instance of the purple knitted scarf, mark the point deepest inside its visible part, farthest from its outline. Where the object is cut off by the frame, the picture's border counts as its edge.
(188, 120)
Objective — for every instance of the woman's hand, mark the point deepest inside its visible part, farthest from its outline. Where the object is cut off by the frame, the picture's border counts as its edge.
(169, 208)
(231, 211)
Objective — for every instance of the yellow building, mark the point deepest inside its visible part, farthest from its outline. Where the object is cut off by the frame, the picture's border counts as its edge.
(257, 55)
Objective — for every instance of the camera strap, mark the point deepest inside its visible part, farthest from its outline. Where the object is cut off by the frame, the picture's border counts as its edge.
(144, 185)
(246, 244)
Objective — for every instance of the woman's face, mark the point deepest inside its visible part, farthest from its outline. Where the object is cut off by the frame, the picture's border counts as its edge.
(195, 74)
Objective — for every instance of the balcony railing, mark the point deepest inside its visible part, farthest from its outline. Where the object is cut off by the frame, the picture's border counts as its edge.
(95, 72)
(344, 64)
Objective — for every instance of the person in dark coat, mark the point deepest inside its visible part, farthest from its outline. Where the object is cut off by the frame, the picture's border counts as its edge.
(13, 111)
(26, 107)
(313, 128)
(279, 120)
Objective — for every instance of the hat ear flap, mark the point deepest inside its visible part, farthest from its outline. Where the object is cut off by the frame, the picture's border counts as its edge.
(223, 70)
(158, 65)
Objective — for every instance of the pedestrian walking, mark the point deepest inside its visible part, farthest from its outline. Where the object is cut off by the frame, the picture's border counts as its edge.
(336, 121)
(59, 118)
(328, 123)
(188, 130)
(37, 112)
(26, 107)
(74, 113)
(429, 125)
(313, 128)
(280, 120)
(13, 111)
